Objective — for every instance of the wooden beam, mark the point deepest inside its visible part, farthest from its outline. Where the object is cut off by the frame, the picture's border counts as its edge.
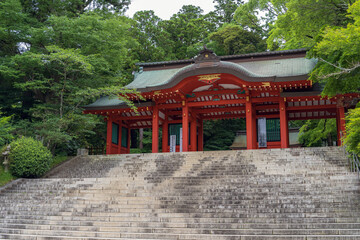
(212, 110)
(313, 107)
(212, 103)
(270, 115)
(265, 107)
(265, 99)
(310, 118)
(169, 105)
(225, 116)
(134, 118)
(212, 93)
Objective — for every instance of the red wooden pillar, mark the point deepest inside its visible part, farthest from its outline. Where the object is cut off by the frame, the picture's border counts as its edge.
(250, 125)
(155, 130)
(340, 123)
(284, 125)
(128, 139)
(201, 136)
(185, 127)
(165, 134)
(108, 136)
(119, 137)
(193, 133)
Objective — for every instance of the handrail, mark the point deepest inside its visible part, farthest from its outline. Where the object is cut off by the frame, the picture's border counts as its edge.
(353, 161)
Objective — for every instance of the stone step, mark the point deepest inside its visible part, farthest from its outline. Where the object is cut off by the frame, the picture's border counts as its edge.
(245, 212)
(146, 205)
(209, 235)
(186, 219)
(159, 224)
(51, 237)
(257, 194)
(179, 230)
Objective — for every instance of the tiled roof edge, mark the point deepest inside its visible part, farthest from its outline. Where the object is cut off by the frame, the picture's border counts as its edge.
(260, 54)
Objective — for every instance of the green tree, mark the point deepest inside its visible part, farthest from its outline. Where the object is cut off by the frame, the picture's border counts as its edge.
(42, 9)
(69, 61)
(220, 134)
(314, 133)
(338, 53)
(53, 79)
(154, 43)
(232, 39)
(5, 130)
(225, 10)
(187, 28)
(304, 19)
(13, 27)
(260, 15)
(339, 67)
(352, 138)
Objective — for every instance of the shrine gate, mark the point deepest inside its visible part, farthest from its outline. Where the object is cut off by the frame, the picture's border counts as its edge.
(271, 86)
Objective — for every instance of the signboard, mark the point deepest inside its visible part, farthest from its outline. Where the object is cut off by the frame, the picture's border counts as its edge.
(262, 132)
(181, 140)
(172, 143)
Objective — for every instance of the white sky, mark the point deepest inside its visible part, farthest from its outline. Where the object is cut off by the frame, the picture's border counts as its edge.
(166, 8)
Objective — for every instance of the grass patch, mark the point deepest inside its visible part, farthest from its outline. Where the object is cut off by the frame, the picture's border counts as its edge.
(57, 160)
(5, 177)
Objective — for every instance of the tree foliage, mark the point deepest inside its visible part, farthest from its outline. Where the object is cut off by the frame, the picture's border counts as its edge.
(316, 133)
(352, 139)
(260, 15)
(187, 28)
(220, 134)
(338, 51)
(225, 10)
(231, 39)
(5, 130)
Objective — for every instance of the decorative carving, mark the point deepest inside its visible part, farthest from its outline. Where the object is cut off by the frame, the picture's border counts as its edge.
(206, 55)
(210, 78)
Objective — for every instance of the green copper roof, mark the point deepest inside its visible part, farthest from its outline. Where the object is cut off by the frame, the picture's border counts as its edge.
(281, 68)
(152, 78)
(105, 102)
(286, 68)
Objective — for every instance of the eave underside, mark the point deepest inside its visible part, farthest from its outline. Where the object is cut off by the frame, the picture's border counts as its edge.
(228, 105)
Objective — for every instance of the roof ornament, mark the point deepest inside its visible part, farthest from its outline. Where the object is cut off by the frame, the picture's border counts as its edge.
(206, 55)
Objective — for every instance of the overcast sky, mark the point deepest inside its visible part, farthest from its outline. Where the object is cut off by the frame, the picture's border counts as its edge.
(166, 8)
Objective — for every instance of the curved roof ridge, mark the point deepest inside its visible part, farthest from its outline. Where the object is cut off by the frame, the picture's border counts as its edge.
(198, 69)
(257, 54)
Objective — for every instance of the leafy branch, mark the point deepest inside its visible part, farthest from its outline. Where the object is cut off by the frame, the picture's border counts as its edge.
(342, 70)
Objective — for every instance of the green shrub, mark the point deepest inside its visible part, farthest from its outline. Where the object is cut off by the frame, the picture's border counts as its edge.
(29, 158)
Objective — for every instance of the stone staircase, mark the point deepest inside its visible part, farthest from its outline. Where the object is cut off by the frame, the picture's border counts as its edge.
(304, 193)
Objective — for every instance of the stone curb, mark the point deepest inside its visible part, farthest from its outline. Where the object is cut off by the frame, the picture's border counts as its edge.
(11, 184)
(55, 169)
